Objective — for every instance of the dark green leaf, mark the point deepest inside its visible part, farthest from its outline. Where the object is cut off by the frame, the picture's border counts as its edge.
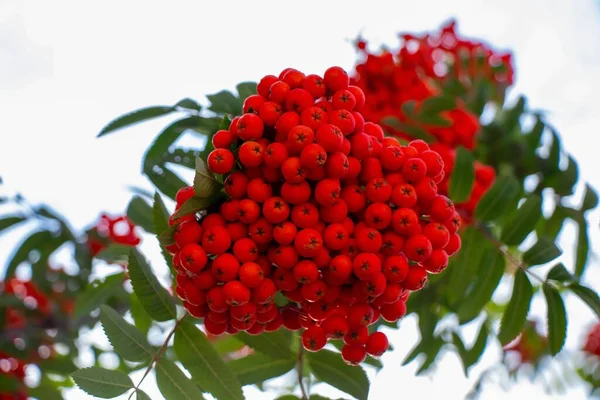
(474, 354)
(498, 199)
(583, 249)
(435, 105)
(173, 384)
(463, 176)
(192, 206)
(564, 181)
(488, 279)
(140, 317)
(160, 222)
(552, 226)
(554, 154)
(200, 358)
(227, 344)
(329, 367)
(225, 102)
(590, 198)
(103, 383)
(141, 395)
(62, 365)
(188, 103)
(272, 344)
(205, 184)
(165, 180)
(134, 117)
(140, 212)
(434, 120)
(166, 238)
(534, 136)
(516, 312)
(127, 341)
(43, 241)
(96, 294)
(246, 89)
(559, 273)
(588, 296)
(8, 222)
(114, 253)
(431, 353)
(157, 302)
(522, 221)
(544, 251)
(411, 130)
(557, 319)
(257, 368)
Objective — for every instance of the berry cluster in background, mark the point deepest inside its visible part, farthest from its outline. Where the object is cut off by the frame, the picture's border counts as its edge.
(327, 227)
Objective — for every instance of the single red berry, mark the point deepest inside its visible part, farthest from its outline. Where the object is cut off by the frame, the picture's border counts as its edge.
(314, 338)
(314, 117)
(337, 165)
(193, 258)
(394, 311)
(343, 99)
(248, 211)
(308, 242)
(315, 85)
(245, 250)
(368, 240)
(395, 268)
(359, 96)
(236, 293)
(314, 291)
(357, 335)
(275, 210)
(418, 248)
(215, 298)
(437, 234)
(454, 244)
(305, 271)
(298, 100)
(244, 312)
(259, 190)
(336, 78)
(335, 236)
(251, 154)
(366, 265)
(250, 127)
(378, 216)
(405, 221)
(355, 198)
(377, 344)
(293, 171)
(335, 326)
(225, 267)
(216, 240)
(187, 232)
(265, 84)
(184, 194)
(299, 137)
(327, 192)
(205, 280)
(414, 169)
(416, 278)
(237, 231)
(437, 261)
(264, 292)
(236, 185)
(330, 137)
(294, 78)
(296, 193)
(285, 232)
(220, 161)
(279, 91)
(441, 209)
(433, 161)
(214, 328)
(354, 354)
(269, 113)
(343, 119)
(252, 104)
(313, 156)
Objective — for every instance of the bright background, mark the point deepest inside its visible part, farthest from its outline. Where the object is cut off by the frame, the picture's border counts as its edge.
(68, 67)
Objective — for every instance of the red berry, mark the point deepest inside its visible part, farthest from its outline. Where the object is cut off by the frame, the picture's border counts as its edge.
(235, 293)
(225, 267)
(377, 344)
(336, 78)
(354, 354)
(251, 154)
(416, 278)
(220, 161)
(193, 258)
(314, 338)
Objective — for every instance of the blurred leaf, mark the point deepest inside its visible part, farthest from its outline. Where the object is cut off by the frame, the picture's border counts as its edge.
(516, 312)
(257, 368)
(225, 102)
(188, 103)
(165, 180)
(62, 365)
(6, 223)
(272, 344)
(534, 136)
(141, 395)
(559, 273)
(474, 354)
(544, 251)
(488, 279)
(589, 296)
(590, 198)
(498, 199)
(200, 358)
(431, 352)
(411, 130)
(582, 250)
(157, 302)
(127, 341)
(246, 89)
(114, 253)
(435, 105)
(432, 120)
(140, 317)
(227, 344)
(557, 319)
(563, 182)
(44, 392)
(463, 176)
(465, 266)
(512, 115)
(552, 226)
(408, 108)
(554, 154)
(173, 384)
(96, 294)
(140, 212)
(143, 114)
(224, 124)
(166, 238)
(329, 367)
(522, 221)
(160, 222)
(103, 383)
(43, 241)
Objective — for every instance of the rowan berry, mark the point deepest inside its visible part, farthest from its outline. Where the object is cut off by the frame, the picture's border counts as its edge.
(315, 85)
(193, 258)
(251, 154)
(314, 338)
(216, 240)
(313, 156)
(353, 354)
(220, 161)
(187, 232)
(377, 344)
(336, 78)
(236, 185)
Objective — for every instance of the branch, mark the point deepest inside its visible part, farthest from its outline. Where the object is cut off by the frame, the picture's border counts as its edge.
(300, 370)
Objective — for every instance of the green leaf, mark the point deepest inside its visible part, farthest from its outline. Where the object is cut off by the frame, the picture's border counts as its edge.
(43, 241)
(563, 182)
(141, 395)
(165, 180)
(103, 383)
(473, 355)
(114, 253)
(160, 222)
(329, 367)
(224, 102)
(463, 176)
(554, 153)
(272, 344)
(205, 184)
(435, 105)
(246, 89)
(488, 279)
(431, 352)
(166, 238)
(188, 103)
(62, 365)
(590, 198)
(140, 212)
(127, 341)
(173, 384)
(200, 358)
(498, 199)
(6, 223)
(192, 206)
(157, 302)
(544, 251)
(257, 368)
(136, 116)
(522, 221)
(588, 296)
(559, 273)
(96, 294)
(583, 249)
(140, 317)
(557, 319)
(516, 312)
(534, 136)
(411, 130)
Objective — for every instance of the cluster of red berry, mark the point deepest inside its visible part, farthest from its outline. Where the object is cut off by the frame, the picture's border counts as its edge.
(15, 370)
(418, 71)
(592, 341)
(322, 208)
(120, 230)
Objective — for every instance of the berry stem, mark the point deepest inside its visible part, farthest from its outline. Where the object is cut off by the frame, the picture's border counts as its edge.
(300, 370)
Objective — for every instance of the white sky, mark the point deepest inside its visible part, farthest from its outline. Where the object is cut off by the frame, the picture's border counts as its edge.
(68, 67)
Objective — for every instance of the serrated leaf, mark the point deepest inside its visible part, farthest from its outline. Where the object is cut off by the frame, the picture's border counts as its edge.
(557, 319)
(272, 344)
(582, 250)
(188, 103)
(544, 251)
(8, 222)
(166, 238)
(96, 294)
(257, 368)
(140, 212)
(157, 302)
(127, 341)
(101, 382)
(173, 384)
(329, 367)
(522, 221)
(498, 199)
(246, 89)
(559, 273)
(192, 206)
(140, 317)
(589, 296)
(136, 116)
(411, 130)
(488, 279)
(200, 358)
(515, 315)
(590, 198)
(463, 176)
(205, 184)
(224, 102)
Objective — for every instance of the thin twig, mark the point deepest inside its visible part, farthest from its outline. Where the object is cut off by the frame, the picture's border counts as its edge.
(157, 356)
(301, 371)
